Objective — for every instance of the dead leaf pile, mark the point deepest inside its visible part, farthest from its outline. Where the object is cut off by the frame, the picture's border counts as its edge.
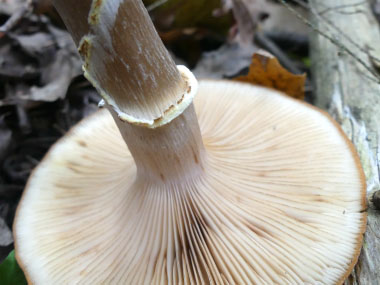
(41, 56)
(42, 94)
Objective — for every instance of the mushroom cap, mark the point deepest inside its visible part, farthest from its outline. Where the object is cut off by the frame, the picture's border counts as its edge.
(281, 201)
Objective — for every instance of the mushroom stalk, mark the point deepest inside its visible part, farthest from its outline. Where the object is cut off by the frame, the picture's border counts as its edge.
(169, 153)
(149, 97)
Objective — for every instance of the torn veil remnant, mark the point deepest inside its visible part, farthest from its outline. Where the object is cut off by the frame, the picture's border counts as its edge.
(264, 190)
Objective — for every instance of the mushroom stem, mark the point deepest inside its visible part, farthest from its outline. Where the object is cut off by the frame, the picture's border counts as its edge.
(148, 96)
(124, 58)
(170, 153)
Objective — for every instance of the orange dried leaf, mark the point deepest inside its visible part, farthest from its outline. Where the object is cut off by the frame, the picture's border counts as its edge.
(265, 70)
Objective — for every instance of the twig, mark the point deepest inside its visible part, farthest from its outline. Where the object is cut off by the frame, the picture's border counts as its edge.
(325, 20)
(289, 41)
(341, 33)
(301, 3)
(342, 7)
(333, 41)
(352, 12)
(155, 5)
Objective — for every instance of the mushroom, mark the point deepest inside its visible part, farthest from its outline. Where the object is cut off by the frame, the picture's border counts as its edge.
(265, 190)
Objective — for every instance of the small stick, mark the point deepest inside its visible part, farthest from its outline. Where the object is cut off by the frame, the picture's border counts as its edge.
(333, 41)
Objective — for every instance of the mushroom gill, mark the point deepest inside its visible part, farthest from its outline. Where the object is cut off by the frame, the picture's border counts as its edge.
(278, 199)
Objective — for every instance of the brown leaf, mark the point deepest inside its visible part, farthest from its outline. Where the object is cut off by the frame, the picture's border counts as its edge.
(265, 70)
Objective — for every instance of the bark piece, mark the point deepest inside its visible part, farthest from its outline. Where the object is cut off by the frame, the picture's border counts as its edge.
(351, 94)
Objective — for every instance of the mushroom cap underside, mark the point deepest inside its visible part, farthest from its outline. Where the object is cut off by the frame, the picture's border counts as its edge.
(281, 201)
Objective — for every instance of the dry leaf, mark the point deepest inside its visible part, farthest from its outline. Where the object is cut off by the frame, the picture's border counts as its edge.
(265, 70)
(226, 62)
